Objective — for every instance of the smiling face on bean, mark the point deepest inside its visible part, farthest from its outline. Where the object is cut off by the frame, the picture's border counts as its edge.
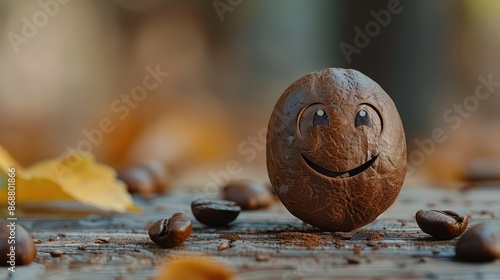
(314, 127)
(336, 150)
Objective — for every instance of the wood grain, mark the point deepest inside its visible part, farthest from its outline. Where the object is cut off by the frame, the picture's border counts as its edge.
(392, 247)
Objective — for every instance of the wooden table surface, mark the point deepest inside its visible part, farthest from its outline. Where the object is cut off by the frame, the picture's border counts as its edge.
(392, 247)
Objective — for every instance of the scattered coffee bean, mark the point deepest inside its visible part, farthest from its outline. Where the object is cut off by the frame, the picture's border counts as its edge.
(147, 178)
(169, 233)
(481, 243)
(442, 225)
(138, 180)
(160, 175)
(214, 212)
(247, 194)
(25, 250)
(56, 253)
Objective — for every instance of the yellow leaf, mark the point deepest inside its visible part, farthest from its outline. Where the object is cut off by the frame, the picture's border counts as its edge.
(6, 161)
(77, 178)
(195, 268)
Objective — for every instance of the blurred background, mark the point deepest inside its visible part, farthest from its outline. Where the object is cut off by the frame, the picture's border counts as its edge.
(68, 65)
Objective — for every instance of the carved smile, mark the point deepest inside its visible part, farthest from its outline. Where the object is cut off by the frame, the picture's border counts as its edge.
(335, 174)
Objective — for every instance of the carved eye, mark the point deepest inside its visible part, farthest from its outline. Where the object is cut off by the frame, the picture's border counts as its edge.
(321, 118)
(362, 118)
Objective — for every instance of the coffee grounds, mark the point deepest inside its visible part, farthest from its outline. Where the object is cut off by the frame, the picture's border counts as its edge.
(230, 236)
(374, 237)
(301, 239)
